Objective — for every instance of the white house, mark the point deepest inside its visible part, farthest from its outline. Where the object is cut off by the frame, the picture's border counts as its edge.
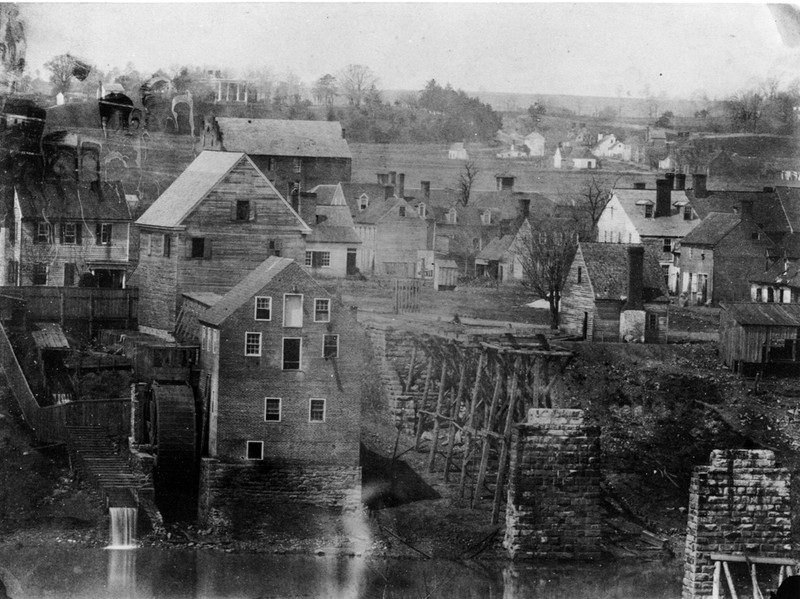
(535, 143)
(458, 152)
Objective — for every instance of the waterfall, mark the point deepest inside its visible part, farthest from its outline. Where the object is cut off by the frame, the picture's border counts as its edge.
(123, 527)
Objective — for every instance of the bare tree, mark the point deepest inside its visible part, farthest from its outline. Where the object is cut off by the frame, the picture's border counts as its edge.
(356, 81)
(589, 201)
(546, 252)
(61, 68)
(466, 179)
(325, 90)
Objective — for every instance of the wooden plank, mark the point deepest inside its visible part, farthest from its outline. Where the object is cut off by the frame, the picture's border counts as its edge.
(469, 445)
(439, 401)
(715, 583)
(410, 378)
(498, 385)
(506, 441)
(754, 580)
(743, 559)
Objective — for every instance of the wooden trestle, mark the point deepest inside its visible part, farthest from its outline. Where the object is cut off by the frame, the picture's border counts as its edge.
(483, 387)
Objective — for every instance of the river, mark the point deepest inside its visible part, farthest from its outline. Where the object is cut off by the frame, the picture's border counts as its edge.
(145, 573)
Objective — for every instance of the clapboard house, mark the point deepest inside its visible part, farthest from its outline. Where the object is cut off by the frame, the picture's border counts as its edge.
(754, 335)
(294, 155)
(217, 221)
(281, 366)
(615, 292)
(58, 231)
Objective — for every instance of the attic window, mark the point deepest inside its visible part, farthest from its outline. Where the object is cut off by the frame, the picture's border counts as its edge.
(42, 233)
(297, 165)
(755, 235)
(648, 211)
(486, 217)
(363, 202)
(422, 210)
(242, 210)
(687, 213)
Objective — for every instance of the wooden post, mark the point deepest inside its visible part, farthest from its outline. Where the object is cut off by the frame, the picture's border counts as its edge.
(420, 415)
(498, 386)
(410, 377)
(506, 441)
(436, 423)
(754, 579)
(451, 438)
(715, 584)
(91, 314)
(729, 578)
(62, 301)
(476, 387)
(781, 571)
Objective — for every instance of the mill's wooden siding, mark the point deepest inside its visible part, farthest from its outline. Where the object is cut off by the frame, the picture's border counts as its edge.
(746, 344)
(577, 300)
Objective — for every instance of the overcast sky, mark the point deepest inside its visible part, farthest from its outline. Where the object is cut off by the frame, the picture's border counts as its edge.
(584, 48)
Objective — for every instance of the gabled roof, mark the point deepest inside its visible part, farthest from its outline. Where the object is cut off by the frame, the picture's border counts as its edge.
(336, 224)
(764, 314)
(789, 198)
(251, 284)
(495, 249)
(194, 184)
(582, 153)
(378, 210)
(769, 209)
(271, 137)
(607, 269)
(713, 229)
(459, 145)
(67, 199)
(663, 226)
(780, 273)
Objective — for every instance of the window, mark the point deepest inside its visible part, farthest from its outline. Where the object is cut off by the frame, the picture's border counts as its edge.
(69, 233)
(242, 210)
(272, 409)
(42, 233)
(648, 211)
(363, 202)
(215, 341)
(486, 217)
(167, 245)
(147, 243)
(252, 344)
(69, 274)
(103, 234)
(402, 211)
(318, 259)
(292, 310)
(759, 297)
(263, 308)
(297, 165)
(292, 349)
(755, 235)
(322, 310)
(667, 245)
(422, 210)
(687, 213)
(275, 248)
(452, 216)
(330, 346)
(316, 410)
(201, 247)
(652, 322)
(255, 450)
(40, 273)
(580, 274)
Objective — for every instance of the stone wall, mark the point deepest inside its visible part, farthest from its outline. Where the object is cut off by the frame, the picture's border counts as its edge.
(231, 491)
(740, 504)
(553, 507)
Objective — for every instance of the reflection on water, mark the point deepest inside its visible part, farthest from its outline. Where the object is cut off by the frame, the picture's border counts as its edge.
(145, 573)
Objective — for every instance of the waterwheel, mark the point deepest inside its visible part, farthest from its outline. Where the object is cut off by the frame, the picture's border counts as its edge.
(171, 426)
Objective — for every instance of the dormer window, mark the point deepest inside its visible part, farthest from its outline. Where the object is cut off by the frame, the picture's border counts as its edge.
(648, 211)
(486, 217)
(422, 210)
(687, 213)
(363, 202)
(452, 216)
(402, 211)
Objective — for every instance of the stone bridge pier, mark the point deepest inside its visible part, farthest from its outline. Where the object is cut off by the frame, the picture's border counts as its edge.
(739, 511)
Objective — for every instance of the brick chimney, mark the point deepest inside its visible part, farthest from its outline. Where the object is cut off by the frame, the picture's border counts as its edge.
(699, 185)
(392, 177)
(680, 181)
(401, 185)
(747, 209)
(635, 278)
(663, 198)
(671, 178)
(383, 179)
(640, 185)
(388, 191)
(426, 189)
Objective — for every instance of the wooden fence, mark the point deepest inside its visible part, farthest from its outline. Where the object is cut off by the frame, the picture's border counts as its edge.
(49, 423)
(406, 295)
(95, 307)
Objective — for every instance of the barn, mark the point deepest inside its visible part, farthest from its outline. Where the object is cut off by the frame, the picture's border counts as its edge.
(758, 334)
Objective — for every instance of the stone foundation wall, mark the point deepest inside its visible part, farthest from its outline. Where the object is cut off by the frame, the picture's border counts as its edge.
(739, 504)
(553, 508)
(230, 490)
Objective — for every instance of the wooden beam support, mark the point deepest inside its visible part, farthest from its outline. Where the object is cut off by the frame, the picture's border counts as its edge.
(410, 378)
(473, 404)
(715, 583)
(439, 402)
(454, 409)
(729, 578)
(498, 386)
(420, 419)
(501, 467)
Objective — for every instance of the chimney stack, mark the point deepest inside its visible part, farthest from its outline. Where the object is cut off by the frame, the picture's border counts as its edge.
(671, 178)
(699, 185)
(392, 177)
(639, 185)
(383, 179)
(388, 191)
(524, 207)
(663, 198)
(747, 209)
(344, 133)
(680, 182)
(635, 278)
(401, 185)
(426, 189)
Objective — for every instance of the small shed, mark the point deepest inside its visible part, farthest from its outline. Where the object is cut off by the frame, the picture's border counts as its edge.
(445, 275)
(759, 333)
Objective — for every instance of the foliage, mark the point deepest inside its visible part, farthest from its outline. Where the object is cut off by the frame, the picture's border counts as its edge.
(546, 251)
(765, 109)
(590, 201)
(466, 179)
(454, 116)
(665, 120)
(325, 90)
(357, 80)
(60, 68)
